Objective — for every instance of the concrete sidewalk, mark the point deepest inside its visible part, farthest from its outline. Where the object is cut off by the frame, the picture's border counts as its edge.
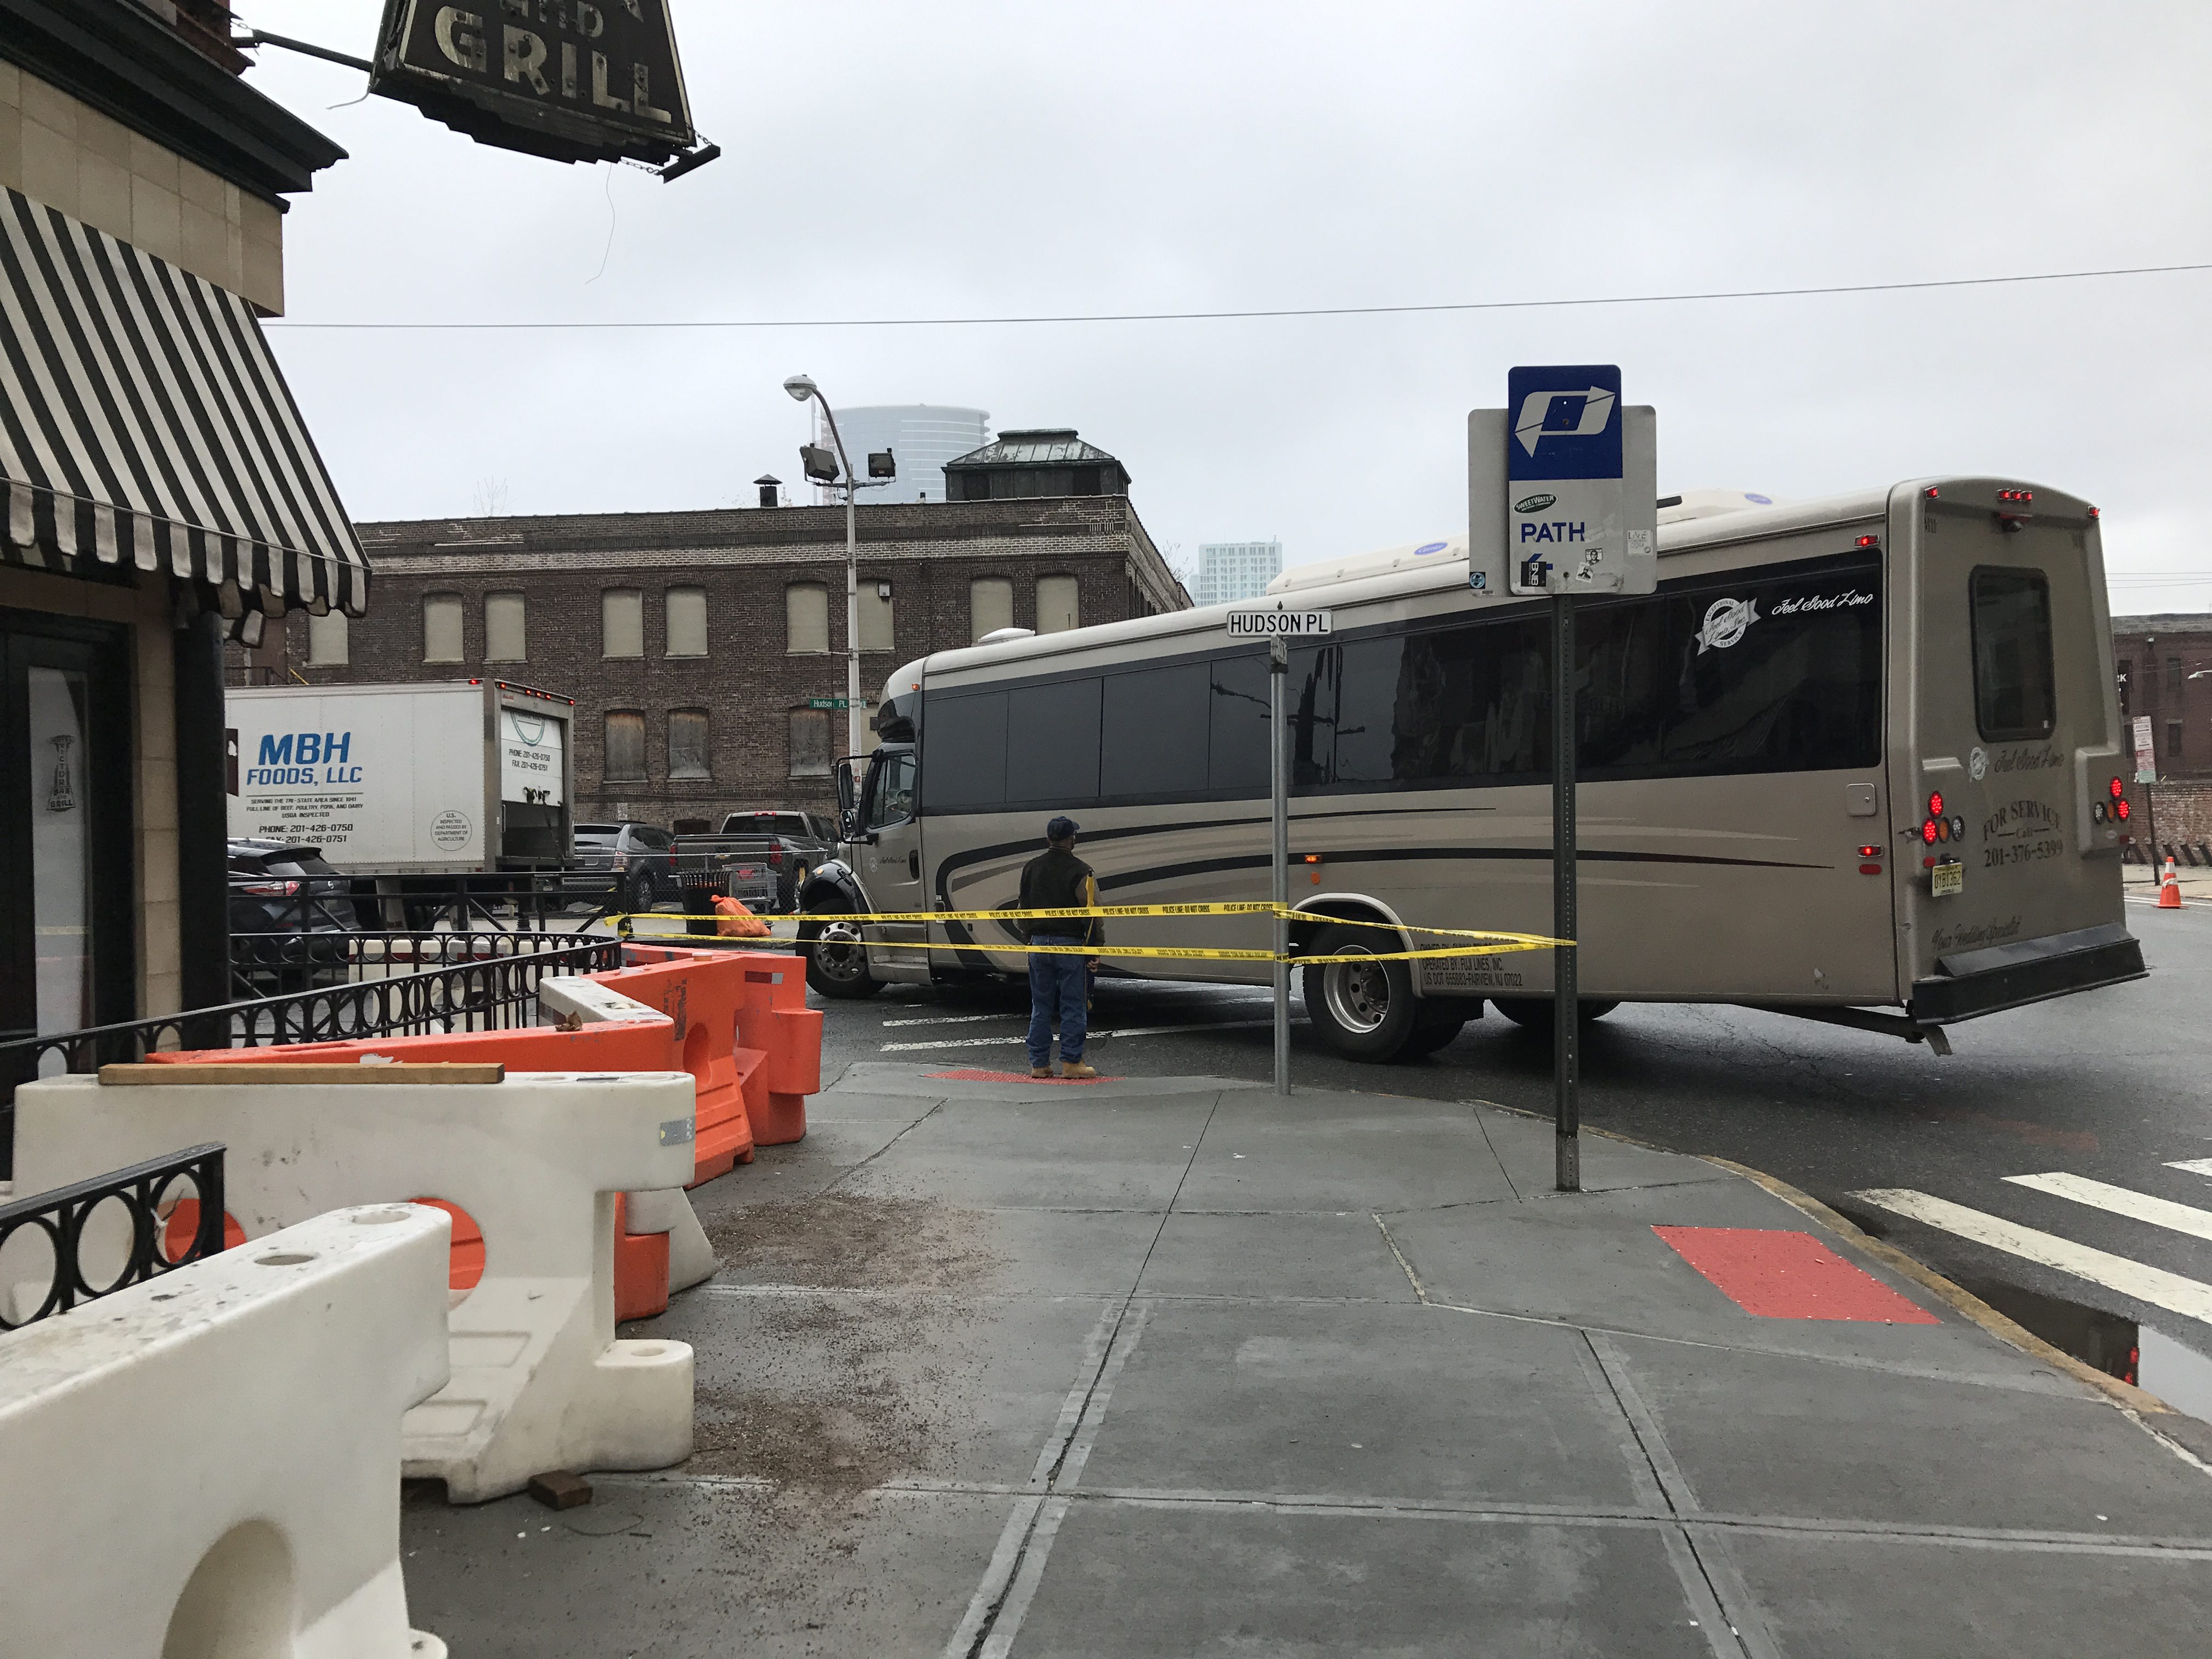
(1170, 1366)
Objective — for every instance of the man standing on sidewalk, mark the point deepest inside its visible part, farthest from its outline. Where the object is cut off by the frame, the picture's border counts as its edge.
(1060, 984)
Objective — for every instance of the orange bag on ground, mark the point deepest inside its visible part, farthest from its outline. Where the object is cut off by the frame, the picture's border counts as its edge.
(733, 921)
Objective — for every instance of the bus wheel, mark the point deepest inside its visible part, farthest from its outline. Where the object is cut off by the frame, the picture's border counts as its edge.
(1363, 1010)
(1436, 1022)
(1535, 1013)
(837, 962)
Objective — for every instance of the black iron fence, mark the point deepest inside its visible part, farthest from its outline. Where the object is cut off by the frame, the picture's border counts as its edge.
(488, 982)
(540, 899)
(168, 1211)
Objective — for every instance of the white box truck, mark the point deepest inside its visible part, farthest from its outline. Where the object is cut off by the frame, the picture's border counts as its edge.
(450, 777)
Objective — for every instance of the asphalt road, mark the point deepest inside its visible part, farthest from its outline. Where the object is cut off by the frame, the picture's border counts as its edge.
(2112, 1085)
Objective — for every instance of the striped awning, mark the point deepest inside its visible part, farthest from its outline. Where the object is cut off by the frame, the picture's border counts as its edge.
(143, 424)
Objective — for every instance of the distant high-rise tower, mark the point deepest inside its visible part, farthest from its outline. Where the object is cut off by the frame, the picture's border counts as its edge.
(1236, 570)
(922, 437)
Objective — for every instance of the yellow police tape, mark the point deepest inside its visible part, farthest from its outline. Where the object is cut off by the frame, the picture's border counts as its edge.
(1492, 944)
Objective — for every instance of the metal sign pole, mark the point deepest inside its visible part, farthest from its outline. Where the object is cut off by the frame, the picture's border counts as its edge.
(1566, 1010)
(1278, 773)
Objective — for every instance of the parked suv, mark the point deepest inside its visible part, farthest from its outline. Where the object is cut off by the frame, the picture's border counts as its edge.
(639, 857)
(297, 909)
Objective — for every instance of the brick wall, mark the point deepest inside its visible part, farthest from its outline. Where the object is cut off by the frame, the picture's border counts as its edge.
(749, 682)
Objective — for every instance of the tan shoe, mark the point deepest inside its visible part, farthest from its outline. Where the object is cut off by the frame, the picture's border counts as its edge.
(1077, 1069)
(1043, 1070)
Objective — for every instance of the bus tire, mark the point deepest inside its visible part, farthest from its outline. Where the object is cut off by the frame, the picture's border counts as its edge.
(1438, 1024)
(1362, 1011)
(837, 960)
(1535, 1013)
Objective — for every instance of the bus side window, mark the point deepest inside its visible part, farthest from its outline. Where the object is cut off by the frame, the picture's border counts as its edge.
(1236, 723)
(1052, 745)
(964, 752)
(1153, 736)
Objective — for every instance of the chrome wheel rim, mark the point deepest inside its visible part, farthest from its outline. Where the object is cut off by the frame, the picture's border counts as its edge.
(1357, 994)
(839, 951)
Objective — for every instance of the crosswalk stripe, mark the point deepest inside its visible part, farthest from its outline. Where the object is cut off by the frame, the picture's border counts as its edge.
(2145, 1284)
(2201, 1166)
(2121, 1200)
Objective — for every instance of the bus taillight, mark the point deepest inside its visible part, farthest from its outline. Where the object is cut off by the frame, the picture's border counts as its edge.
(1928, 832)
(2121, 808)
(2119, 788)
(1935, 805)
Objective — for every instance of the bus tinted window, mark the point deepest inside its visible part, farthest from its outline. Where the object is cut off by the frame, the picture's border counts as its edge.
(1237, 719)
(2015, 690)
(1052, 745)
(963, 765)
(1153, 732)
(1780, 675)
(1471, 704)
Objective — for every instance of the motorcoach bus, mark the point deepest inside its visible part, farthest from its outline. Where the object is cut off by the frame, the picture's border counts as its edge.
(1857, 759)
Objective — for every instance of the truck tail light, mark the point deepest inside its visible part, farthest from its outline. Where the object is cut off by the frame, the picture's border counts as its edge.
(269, 889)
(775, 858)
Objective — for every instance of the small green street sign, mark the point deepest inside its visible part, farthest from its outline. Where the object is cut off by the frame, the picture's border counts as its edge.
(829, 702)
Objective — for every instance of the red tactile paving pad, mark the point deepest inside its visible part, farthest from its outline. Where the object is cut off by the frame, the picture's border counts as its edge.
(1788, 1275)
(972, 1076)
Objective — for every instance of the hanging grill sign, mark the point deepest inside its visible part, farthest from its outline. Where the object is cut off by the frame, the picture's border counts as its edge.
(565, 79)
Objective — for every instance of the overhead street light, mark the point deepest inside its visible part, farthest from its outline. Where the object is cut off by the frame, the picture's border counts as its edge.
(835, 471)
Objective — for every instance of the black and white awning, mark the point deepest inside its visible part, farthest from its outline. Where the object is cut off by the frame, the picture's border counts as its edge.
(143, 424)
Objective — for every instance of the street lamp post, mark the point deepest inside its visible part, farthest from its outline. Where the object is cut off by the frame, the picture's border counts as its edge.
(802, 387)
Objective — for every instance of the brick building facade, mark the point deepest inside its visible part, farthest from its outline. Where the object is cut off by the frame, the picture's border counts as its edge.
(2164, 668)
(693, 641)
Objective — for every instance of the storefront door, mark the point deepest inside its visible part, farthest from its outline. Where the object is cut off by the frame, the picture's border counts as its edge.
(67, 904)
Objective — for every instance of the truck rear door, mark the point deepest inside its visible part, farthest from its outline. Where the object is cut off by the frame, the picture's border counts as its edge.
(2007, 832)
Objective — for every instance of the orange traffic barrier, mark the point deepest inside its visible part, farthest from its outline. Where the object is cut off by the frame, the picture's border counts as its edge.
(641, 1268)
(2169, 888)
(699, 990)
(773, 1017)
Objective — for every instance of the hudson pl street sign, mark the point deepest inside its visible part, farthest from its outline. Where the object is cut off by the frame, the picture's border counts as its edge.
(1277, 624)
(566, 79)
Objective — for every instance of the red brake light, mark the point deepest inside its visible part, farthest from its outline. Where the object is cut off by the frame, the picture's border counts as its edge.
(1928, 832)
(2022, 496)
(2121, 808)
(2118, 788)
(1935, 805)
(1868, 541)
(1930, 492)
(1869, 852)
(2096, 513)
(1313, 858)
(1869, 869)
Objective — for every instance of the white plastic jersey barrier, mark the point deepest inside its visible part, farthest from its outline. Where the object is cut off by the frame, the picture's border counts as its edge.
(206, 1465)
(571, 997)
(539, 1381)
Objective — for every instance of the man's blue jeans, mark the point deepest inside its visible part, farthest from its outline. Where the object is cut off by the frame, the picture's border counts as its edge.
(1059, 985)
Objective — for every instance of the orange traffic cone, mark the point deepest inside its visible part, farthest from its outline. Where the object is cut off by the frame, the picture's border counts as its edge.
(2169, 888)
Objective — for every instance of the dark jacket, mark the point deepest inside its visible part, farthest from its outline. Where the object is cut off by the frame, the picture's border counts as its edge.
(1058, 880)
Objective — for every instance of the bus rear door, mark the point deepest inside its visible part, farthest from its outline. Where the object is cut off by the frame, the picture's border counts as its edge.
(2007, 852)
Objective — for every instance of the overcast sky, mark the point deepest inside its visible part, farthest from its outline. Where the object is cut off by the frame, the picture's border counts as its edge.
(900, 160)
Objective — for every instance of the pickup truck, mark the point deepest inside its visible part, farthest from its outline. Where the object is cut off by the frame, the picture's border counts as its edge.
(754, 869)
(805, 837)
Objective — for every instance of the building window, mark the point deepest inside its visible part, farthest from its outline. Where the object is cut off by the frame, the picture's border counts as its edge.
(687, 622)
(441, 628)
(2173, 676)
(875, 616)
(688, 753)
(805, 618)
(326, 640)
(990, 605)
(693, 827)
(2173, 740)
(2127, 672)
(1056, 604)
(503, 627)
(810, 743)
(624, 758)
(622, 623)
(973, 486)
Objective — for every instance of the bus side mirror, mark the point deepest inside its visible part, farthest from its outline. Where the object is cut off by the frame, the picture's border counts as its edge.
(843, 772)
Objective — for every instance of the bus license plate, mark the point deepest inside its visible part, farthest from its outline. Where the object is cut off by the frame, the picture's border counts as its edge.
(1949, 881)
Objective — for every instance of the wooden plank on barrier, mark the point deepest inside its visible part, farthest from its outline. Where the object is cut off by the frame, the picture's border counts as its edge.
(218, 1071)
